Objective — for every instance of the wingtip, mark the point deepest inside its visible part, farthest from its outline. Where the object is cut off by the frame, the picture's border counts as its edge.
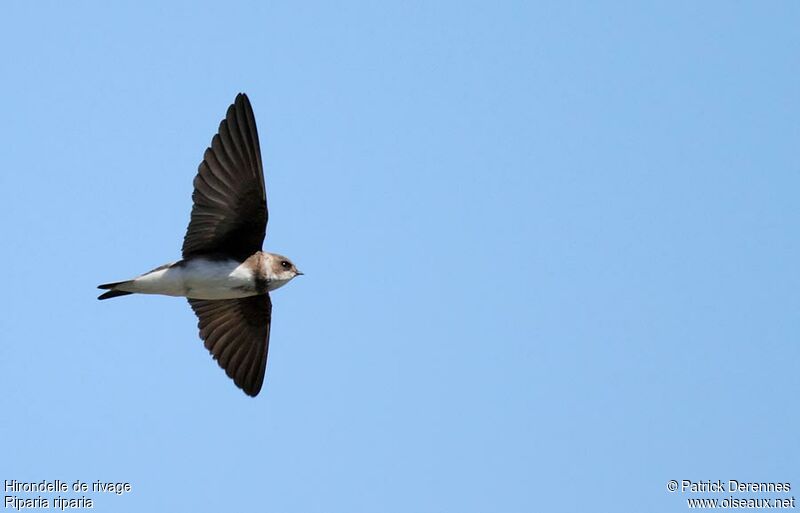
(244, 101)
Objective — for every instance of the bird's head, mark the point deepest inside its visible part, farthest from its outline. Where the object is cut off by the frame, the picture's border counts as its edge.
(279, 270)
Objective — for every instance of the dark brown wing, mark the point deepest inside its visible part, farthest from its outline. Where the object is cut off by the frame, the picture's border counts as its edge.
(236, 333)
(229, 215)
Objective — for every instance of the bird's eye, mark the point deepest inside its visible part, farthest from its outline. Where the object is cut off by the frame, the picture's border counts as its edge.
(285, 264)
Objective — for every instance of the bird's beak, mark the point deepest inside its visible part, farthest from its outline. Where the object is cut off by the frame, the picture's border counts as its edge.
(298, 273)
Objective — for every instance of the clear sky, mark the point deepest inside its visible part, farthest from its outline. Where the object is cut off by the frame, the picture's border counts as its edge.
(551, 252)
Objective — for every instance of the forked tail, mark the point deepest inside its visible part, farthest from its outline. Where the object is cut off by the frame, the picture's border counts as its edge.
(111, 290)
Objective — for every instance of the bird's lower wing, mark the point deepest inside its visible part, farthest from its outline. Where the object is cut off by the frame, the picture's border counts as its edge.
(236, 333)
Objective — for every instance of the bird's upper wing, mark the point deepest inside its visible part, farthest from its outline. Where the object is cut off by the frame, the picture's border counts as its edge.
(229, 215)
(236, 333)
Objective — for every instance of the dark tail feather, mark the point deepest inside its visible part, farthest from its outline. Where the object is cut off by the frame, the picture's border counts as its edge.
(111, 285)
(112, 293)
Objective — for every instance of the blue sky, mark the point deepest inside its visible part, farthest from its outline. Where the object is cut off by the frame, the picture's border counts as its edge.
(551, 252)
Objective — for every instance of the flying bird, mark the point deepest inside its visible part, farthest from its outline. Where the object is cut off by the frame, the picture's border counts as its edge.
(224, 273)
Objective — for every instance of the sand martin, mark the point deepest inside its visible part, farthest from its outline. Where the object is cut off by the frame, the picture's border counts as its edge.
(224, 274)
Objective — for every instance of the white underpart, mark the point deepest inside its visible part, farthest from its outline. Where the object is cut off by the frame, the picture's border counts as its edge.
(275, 283)
(198, 279)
